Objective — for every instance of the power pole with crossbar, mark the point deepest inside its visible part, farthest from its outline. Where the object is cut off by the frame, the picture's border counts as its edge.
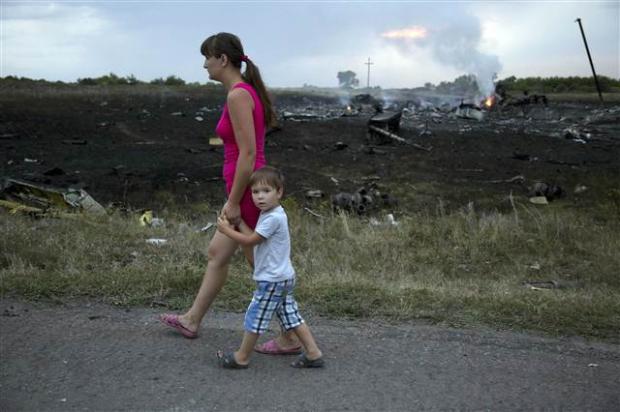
(368, 63)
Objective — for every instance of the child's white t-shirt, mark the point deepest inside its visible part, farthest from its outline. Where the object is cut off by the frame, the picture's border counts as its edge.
(272, 257)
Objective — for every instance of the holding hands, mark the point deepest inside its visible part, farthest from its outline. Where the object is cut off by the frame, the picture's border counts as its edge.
(223, 224)
(232, 212)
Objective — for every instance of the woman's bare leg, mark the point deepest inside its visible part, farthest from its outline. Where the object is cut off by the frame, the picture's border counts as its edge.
(221, 249)
(287, 339)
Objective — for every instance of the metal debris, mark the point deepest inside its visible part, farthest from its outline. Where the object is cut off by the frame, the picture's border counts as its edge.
(389, 221)
(549, 192)
(74, 141)
(362, 200)
(469, 111)
(398, 138)
(216, 141)
(314, 194)
(156, 241)
(552, 284)
(313, 213)
(19, 195)
(539, 200)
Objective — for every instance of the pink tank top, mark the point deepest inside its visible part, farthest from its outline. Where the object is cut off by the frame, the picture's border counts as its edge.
(225, 130)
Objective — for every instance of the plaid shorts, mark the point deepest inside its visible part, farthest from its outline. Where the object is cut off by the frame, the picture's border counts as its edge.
(270, 297)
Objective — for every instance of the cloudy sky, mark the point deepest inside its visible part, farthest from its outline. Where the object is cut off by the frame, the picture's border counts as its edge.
(309, 42)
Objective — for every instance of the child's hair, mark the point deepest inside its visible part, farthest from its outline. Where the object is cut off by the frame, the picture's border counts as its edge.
(230, 45)
(268, 175)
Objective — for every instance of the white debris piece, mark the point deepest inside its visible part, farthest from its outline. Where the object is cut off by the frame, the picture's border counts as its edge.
(156, 241)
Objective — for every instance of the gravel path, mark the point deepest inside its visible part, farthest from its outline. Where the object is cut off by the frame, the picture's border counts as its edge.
(90, 356)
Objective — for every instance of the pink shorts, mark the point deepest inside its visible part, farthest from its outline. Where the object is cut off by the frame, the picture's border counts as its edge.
(249, 211)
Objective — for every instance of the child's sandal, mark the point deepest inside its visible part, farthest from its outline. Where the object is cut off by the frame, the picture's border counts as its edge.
(303, 362)
(227, 361)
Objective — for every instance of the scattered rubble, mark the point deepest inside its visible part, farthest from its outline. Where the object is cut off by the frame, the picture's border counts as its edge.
(388, 221)
(469, 111)
(362, 200)
(551, 284)
(156, 241)
(207, 227)
(549, 192)
(21, 196)
(313, 213)
(310, 194)
(580, 189)
(147, 219)
(75, 141)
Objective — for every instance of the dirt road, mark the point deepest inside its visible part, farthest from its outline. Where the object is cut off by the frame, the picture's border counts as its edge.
(91, 356)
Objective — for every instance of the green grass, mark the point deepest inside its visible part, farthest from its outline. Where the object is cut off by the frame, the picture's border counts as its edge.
(593, 97)
(464, 268)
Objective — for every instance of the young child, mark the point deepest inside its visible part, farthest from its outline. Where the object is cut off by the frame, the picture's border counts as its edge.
(273, 273)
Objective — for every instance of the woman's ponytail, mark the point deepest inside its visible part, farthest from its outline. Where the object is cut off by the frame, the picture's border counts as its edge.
(252, 76)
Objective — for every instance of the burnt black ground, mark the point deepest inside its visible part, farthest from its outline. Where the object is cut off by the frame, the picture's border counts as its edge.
(145, 149)
(90, 356)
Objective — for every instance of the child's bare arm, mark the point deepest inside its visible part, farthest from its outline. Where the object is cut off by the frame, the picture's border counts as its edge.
(250, 238)
(244, 228)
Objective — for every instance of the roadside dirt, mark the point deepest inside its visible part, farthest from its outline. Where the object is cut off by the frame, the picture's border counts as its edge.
(90, 356)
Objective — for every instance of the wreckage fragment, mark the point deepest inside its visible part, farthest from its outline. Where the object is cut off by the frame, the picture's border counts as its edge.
(399, 139)
(362, 200)
(383, 126)
(367, 103)
(469, 111)
(313, 194)
(389, 121)
(550, 192)
(20, 195)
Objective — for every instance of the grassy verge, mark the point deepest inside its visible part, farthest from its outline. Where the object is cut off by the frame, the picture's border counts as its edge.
(463, 268)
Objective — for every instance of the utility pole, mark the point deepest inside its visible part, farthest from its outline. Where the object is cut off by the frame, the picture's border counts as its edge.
(368, 63)
(598, 87)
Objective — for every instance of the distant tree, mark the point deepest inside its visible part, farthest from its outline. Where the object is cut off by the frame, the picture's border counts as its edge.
(131, 80)
(174, 81)
(559, 84)
(465, 84)
(111, 80)
(87, 81)
(347, 79)
(158, 81)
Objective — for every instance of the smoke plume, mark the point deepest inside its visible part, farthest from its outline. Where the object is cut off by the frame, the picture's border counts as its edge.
(455, 44)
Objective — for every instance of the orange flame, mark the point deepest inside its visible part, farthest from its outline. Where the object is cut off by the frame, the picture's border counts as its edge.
(414, 32)
(488, 102)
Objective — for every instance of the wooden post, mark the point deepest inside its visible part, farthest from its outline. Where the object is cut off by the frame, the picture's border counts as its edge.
(583, 35)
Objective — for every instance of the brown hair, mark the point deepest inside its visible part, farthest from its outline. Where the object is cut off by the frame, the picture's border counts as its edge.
(230, 45)
(268, 175)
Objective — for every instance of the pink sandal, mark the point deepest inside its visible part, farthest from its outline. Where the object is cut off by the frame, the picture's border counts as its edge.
(174, 322)
(272, 347)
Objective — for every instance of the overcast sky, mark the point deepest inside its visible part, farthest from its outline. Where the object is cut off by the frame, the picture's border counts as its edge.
(295, 43)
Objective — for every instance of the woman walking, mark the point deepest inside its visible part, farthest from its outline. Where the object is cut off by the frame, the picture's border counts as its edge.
(247, 113)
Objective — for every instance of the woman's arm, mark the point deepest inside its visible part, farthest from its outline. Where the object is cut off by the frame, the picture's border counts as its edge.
(240, 108)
